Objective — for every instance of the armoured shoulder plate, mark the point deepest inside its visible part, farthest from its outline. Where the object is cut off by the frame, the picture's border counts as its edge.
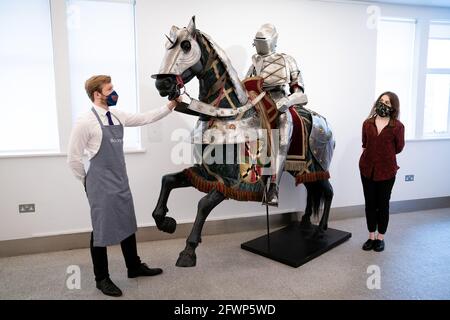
(295, 73)
(321, 141)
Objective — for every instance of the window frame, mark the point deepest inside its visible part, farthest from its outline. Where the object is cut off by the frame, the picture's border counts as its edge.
(61, 37)
(62, 77)
(428, 71)
(419, 75)
(413, 82)
(56, 149)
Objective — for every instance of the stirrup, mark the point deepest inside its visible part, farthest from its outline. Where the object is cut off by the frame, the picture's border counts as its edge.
(264, 198)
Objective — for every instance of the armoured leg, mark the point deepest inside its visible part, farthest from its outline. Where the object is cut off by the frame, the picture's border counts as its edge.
(281, 150)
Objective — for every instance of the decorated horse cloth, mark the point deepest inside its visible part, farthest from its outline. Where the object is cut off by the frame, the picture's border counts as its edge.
(241, 178)
(240, 181)
(300, 161)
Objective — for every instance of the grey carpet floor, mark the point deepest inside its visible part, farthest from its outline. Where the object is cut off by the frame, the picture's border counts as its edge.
(415, 265)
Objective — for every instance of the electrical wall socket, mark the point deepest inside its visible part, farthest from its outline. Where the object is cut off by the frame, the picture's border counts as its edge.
(27, 208)
(409, 177)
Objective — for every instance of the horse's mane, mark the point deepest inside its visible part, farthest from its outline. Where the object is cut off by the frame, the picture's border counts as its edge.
(239, 88)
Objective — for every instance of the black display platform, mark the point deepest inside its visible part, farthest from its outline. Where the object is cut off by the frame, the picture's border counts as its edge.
(294, 245)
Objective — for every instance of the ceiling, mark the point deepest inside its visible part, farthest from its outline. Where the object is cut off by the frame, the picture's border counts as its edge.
(429, 3)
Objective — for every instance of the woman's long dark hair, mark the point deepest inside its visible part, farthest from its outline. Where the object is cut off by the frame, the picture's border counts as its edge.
(395, 104)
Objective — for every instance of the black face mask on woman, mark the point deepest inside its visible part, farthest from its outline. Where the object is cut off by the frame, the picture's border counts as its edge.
(382, 109)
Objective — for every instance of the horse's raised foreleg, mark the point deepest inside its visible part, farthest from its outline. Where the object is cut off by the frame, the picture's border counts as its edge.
(187, 257)
(169, 182)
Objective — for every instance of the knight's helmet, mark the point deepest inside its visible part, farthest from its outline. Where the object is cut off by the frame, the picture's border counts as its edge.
(265, 40)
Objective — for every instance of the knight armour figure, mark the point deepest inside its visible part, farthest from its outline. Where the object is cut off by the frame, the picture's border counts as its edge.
(284, 83)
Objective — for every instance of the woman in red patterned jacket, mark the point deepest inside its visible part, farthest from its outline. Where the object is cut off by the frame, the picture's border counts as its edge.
(382, 139)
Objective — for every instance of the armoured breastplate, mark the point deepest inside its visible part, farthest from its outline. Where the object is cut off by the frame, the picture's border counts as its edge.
(274, 70)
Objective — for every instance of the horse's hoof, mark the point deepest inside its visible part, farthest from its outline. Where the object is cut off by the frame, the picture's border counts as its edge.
(168, 225)
(159, 214)
(319, 233)
(305, 224)
(186, 260)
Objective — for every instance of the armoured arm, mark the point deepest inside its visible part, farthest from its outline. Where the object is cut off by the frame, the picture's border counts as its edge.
(296, 80)
(296, 87)
(297, 98)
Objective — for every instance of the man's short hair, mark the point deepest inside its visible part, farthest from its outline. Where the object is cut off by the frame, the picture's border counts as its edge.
(95, 83)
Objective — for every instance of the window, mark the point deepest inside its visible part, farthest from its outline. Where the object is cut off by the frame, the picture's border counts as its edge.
(395, 61)
(103, 44)
(27, 78)
(437, 93)
(419, 74)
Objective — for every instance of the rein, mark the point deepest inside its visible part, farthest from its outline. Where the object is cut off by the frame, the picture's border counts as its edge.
(212, 109)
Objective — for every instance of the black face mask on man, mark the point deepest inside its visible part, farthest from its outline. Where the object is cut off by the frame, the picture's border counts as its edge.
(382, 109)
(111, 99)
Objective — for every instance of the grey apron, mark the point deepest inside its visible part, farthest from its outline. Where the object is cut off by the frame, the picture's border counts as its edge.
(108, 192)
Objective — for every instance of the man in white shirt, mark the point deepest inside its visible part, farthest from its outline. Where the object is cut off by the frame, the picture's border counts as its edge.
(100, 133)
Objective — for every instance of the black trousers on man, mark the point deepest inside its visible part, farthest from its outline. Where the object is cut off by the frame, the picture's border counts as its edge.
(377, 195)
(100, 257)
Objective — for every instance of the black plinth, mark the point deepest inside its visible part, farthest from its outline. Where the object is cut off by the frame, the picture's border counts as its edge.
(294, 245)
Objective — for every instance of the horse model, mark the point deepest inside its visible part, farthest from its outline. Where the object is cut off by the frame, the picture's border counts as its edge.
(228, 110)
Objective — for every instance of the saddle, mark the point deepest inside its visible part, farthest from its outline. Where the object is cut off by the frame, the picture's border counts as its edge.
(296, 157)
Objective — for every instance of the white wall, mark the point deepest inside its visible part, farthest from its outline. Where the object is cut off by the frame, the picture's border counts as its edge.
(336, 53)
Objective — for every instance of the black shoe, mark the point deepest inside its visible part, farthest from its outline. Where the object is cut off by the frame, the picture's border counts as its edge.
(378, 245)
(272, 195)
(109, 288)
(368, 245)
(143, 271)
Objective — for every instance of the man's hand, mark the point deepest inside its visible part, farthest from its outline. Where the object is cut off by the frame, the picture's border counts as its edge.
(173, 103)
